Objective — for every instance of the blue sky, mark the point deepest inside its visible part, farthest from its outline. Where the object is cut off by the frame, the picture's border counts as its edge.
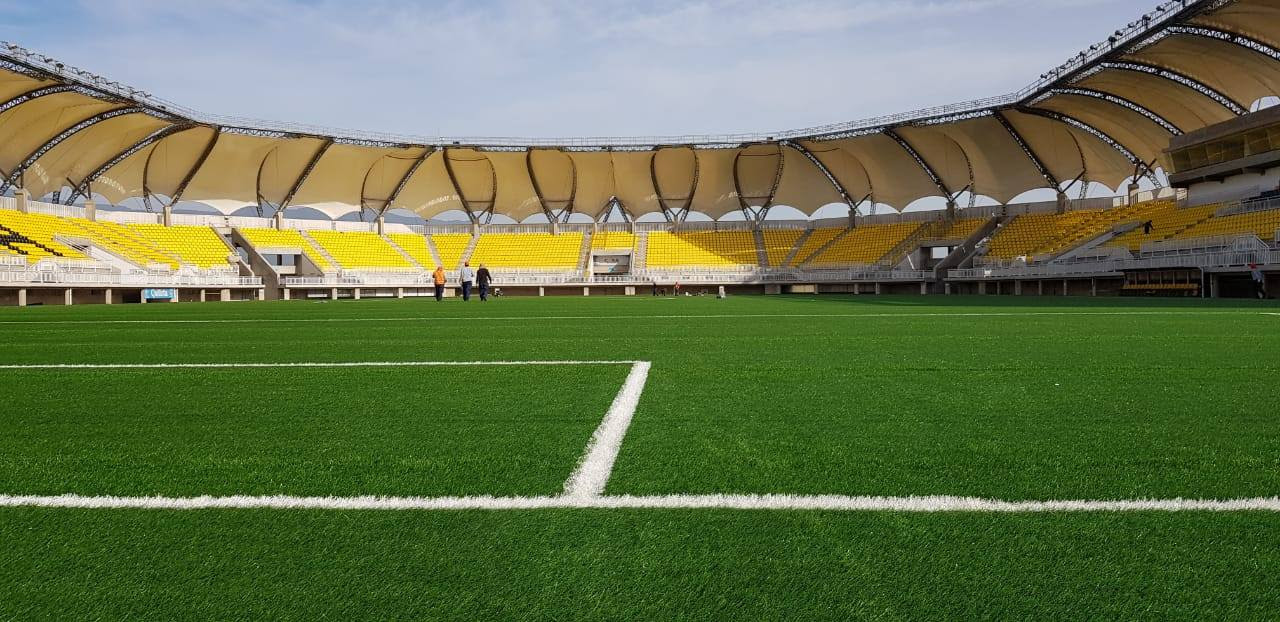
(546, 69)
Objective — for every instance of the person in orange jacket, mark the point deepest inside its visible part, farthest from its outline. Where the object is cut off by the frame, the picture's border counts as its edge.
(438, 277)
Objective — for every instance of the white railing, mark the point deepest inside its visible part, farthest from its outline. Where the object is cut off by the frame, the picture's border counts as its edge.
(509, 277)
(54, 209)
(354, 225)
(1204, 260)
(1248, 206)
(70, 278)
(1185, 246)
(125, 217)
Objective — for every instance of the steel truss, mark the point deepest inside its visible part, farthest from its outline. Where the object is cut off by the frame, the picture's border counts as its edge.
(1117, 100)
(677, 215)
(63, 135)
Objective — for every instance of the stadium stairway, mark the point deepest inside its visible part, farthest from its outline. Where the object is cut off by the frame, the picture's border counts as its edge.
(640, 258)
(1095, 243)
(762, 256)
(964, 254)
(467, 252)
(403, 253)
(800, 242)
(435, 254)
(823, 247)
(258, 265)
(584, 255)
(306, 237)
(909, 244)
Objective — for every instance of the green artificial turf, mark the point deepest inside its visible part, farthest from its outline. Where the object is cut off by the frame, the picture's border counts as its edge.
(1013, 398)
(651, 564)
(301, 431)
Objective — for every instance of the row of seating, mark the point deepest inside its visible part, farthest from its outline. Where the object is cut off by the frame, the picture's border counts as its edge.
(40, 236)
(1031, 235)
(37, 236)
(701, 248)
(1167, 220)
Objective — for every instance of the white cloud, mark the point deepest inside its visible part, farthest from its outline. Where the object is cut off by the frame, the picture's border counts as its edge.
(545, 68)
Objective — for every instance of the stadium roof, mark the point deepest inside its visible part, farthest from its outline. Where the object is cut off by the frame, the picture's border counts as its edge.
(1102, 116)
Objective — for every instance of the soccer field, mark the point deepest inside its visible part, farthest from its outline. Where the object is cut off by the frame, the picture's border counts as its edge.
(586, 458)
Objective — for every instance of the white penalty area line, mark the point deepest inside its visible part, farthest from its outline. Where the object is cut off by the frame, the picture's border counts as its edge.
(602, 450)
(838, 503)
(717, 316)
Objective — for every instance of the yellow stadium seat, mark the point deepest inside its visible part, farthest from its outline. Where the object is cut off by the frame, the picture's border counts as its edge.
(1262, 224)
(701, 248)
(528, 250)
(864, 244)
(1030, 235)
(197, 246)
(415, 245)
(451, 246)
(360, 250)
(778, 244)
(613, 240)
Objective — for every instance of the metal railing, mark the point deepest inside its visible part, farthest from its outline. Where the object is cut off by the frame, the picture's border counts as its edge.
(140, 279)
(1248, 206)
(1206, 260)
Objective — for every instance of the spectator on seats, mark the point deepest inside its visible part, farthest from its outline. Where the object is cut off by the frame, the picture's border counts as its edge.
(467, 276)
(482, 281)
(438, 278)
(1146, 228)
(1259, 281)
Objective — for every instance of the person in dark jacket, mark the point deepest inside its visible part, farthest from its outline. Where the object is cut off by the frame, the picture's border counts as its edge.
(482, 282)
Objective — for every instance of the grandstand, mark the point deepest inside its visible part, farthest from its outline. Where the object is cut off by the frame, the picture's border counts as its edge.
(528, 250)
(677, 197)
(701, 248)
(942, 364)
(359, 250)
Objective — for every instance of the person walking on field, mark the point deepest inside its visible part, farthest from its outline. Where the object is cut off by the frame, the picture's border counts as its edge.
(467, 277)
(438, 278)
(1259, 281)
(482, 281)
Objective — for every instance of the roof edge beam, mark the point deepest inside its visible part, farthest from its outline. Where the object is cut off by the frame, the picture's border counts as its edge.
(306, 172)
(1180, 79)
(62, 136)
(82, 188)
(1097, 133)
(1123, 102)
(400, 185)
(1026, 149)
(915, 155)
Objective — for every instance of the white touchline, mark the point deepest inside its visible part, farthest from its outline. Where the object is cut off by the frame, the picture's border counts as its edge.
(305, 364)
(838, 503)
(584, 488)
(602, 450)
(627, 317)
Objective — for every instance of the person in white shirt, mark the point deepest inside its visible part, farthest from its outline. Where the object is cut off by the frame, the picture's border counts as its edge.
(466, 276)
(1259, 280)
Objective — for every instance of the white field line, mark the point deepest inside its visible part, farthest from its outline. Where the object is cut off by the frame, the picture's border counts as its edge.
(722, 502)
(602, 450)
(480, 318)
(305, 364)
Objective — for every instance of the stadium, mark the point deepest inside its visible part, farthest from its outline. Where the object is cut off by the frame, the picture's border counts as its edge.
(701, 376)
